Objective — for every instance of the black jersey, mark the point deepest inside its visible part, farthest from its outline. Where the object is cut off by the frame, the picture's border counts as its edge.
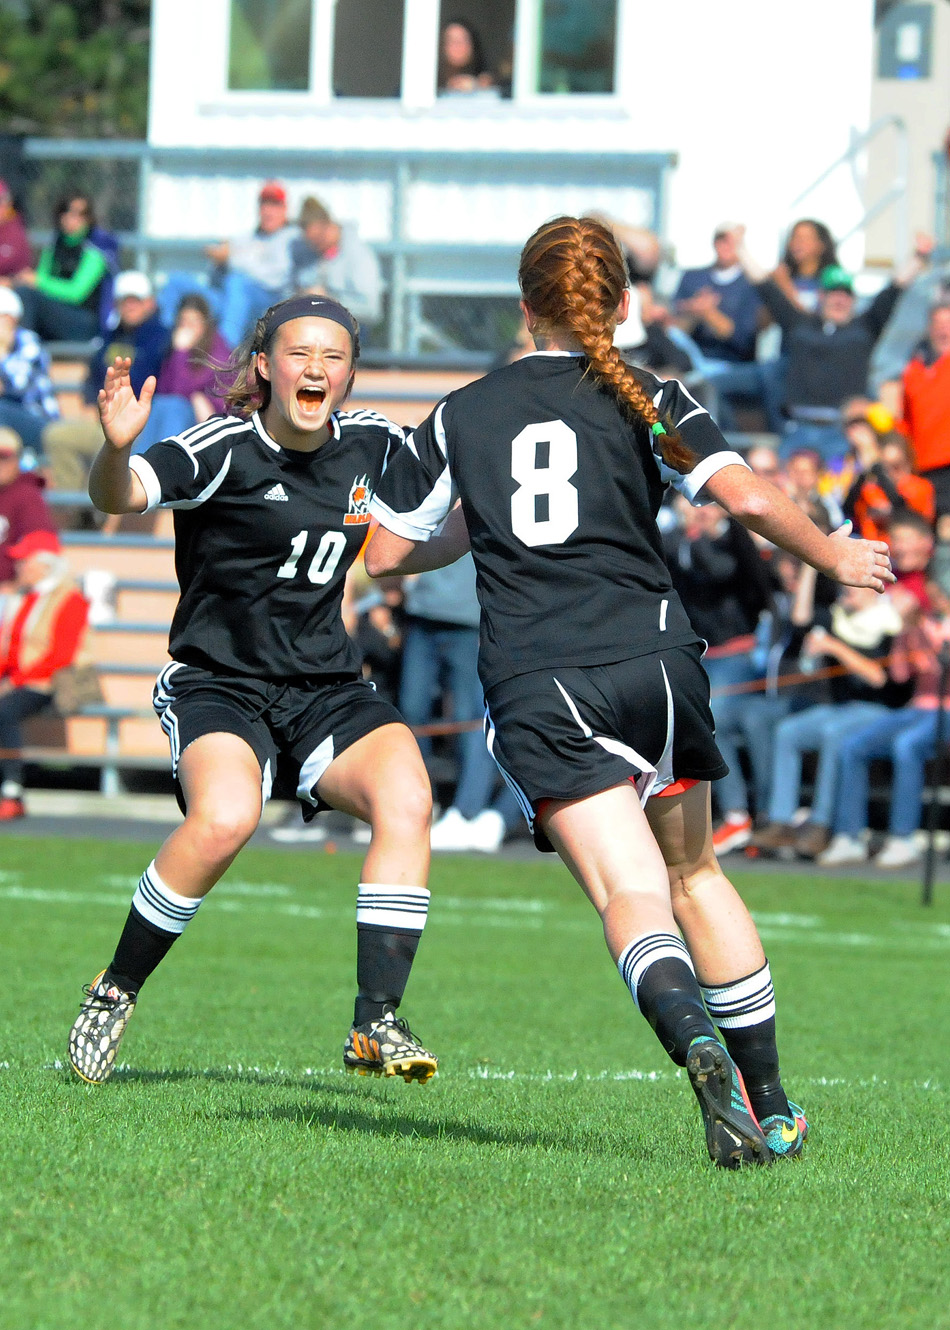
(560, 492)
(263, 539)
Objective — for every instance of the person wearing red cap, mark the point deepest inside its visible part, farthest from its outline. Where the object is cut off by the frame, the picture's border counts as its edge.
(250, 273)
(22, 506)
(41, 631)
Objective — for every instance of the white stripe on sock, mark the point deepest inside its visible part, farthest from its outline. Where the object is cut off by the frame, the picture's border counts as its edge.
(160, 906)
(748, 1001)
(640, 954)
(403, 909)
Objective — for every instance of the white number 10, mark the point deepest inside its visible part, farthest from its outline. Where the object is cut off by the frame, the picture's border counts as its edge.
(324, 562)
(551, 482)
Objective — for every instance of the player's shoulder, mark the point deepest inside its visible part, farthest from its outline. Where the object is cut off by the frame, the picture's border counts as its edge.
(226, 430)
(363, 418)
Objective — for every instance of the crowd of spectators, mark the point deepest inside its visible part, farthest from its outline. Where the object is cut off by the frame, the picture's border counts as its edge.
(848, 411)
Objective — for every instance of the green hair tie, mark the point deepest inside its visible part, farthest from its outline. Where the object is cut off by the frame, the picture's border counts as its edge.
(658, 428)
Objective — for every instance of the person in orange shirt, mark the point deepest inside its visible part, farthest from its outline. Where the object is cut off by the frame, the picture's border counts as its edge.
(41, 631)
(926, 410)
(886, 486)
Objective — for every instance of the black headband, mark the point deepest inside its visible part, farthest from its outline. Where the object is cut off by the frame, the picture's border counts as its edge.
(311, 307)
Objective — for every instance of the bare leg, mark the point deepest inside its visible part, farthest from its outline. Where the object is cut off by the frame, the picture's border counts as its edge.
(221, 780)
(382, 779)
(715, 922)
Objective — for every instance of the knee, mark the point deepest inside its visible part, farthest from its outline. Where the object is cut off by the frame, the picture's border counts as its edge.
(688, 881)
(220, 831)
(406, 814)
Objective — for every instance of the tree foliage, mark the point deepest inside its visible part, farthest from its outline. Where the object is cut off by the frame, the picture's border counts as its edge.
(74, 70)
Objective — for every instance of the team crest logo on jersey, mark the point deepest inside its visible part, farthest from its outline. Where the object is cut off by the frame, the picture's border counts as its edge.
(357, 513)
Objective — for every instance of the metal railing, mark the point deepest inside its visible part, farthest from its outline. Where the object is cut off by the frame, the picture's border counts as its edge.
(894, 197)
(424, 281)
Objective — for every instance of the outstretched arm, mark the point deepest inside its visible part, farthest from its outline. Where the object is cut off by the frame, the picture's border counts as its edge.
(113, 488)
(388, 553)
(764, 509)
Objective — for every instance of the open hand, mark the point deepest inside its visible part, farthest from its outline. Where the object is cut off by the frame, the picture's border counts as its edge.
(122, 414)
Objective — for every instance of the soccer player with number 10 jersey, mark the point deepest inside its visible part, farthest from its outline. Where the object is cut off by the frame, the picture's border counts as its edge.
(271, 507)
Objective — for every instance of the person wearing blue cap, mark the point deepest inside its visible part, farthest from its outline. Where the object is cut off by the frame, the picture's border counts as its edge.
(271, 505)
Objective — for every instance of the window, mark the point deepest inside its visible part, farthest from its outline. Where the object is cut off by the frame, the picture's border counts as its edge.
(475, 47)
(577, 47)
(367, 48)
(269, 45)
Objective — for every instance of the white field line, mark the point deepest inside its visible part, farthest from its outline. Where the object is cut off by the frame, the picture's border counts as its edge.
(492, 912)
(279, 1073)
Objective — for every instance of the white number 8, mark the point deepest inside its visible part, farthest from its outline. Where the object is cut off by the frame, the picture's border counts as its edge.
(552, 482)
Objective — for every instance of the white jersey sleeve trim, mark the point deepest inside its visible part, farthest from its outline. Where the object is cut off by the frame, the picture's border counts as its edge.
(690, 484)
(146, 474)
(411, 526)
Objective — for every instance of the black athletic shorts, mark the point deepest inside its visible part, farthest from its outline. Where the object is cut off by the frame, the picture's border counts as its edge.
(309, 723)
(569, 732)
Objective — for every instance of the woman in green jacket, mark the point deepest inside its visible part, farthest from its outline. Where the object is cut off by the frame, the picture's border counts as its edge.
(61, 297)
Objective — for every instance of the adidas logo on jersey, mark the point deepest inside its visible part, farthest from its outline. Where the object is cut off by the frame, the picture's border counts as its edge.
(277, 492)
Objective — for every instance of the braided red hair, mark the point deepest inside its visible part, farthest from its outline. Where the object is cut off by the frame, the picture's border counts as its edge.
(573, 277)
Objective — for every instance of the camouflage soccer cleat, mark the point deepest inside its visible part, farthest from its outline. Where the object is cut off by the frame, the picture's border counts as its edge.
(733, 1136)
(786, 1136)
(387, 1047)
(94, 1039)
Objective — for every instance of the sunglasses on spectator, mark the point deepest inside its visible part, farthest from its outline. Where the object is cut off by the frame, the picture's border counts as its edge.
(76, 210)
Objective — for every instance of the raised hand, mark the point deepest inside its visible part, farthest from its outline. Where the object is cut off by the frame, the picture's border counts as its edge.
(860, 562)
(121, 413)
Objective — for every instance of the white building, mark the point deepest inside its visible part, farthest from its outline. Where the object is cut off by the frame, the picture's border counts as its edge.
(669, 113)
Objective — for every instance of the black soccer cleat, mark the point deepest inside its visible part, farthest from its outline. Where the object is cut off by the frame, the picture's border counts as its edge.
(733, 1135)
(387, 1047)
(95, 1037)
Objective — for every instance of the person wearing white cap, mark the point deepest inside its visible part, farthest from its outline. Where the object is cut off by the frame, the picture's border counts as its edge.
(137, 333)
(27, 399)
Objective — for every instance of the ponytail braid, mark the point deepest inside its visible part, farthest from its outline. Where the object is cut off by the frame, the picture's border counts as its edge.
(573, 276)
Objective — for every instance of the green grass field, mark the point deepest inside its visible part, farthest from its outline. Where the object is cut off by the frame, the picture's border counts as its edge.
(553, 1174)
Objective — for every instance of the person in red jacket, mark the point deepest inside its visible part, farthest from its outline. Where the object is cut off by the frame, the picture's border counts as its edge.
(41, 631)
(926, 413)
(22, 506)
(15, 250)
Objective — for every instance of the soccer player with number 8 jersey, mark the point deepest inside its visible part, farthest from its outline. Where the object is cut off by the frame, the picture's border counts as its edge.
(271, 507)
(597, 706)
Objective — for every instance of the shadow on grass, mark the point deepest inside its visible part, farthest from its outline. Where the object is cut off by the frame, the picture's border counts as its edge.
(374, 1117)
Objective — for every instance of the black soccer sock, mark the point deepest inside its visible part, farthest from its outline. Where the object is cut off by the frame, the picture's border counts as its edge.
(157, 918)
(744, 1011)
(389, 924)
(657, 969)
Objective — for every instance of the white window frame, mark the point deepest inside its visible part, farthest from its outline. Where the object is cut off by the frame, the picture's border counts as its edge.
(420, 55)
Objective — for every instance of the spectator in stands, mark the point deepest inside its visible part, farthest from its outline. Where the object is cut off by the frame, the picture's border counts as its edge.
(16, 256)
(250, 273)
(61, 298)
(187, 392)
(136, 332)
(23, 510)
(863, 625)
(926, 404)
(886, 485)
(803, 483)
(828, 351)
(905, 736)
(724, 587)
(41, 631)
(27, 399)
(911, 541)
(328, 258)
(439, 660)
(721, 313)
(462, 64)
(809, 250)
